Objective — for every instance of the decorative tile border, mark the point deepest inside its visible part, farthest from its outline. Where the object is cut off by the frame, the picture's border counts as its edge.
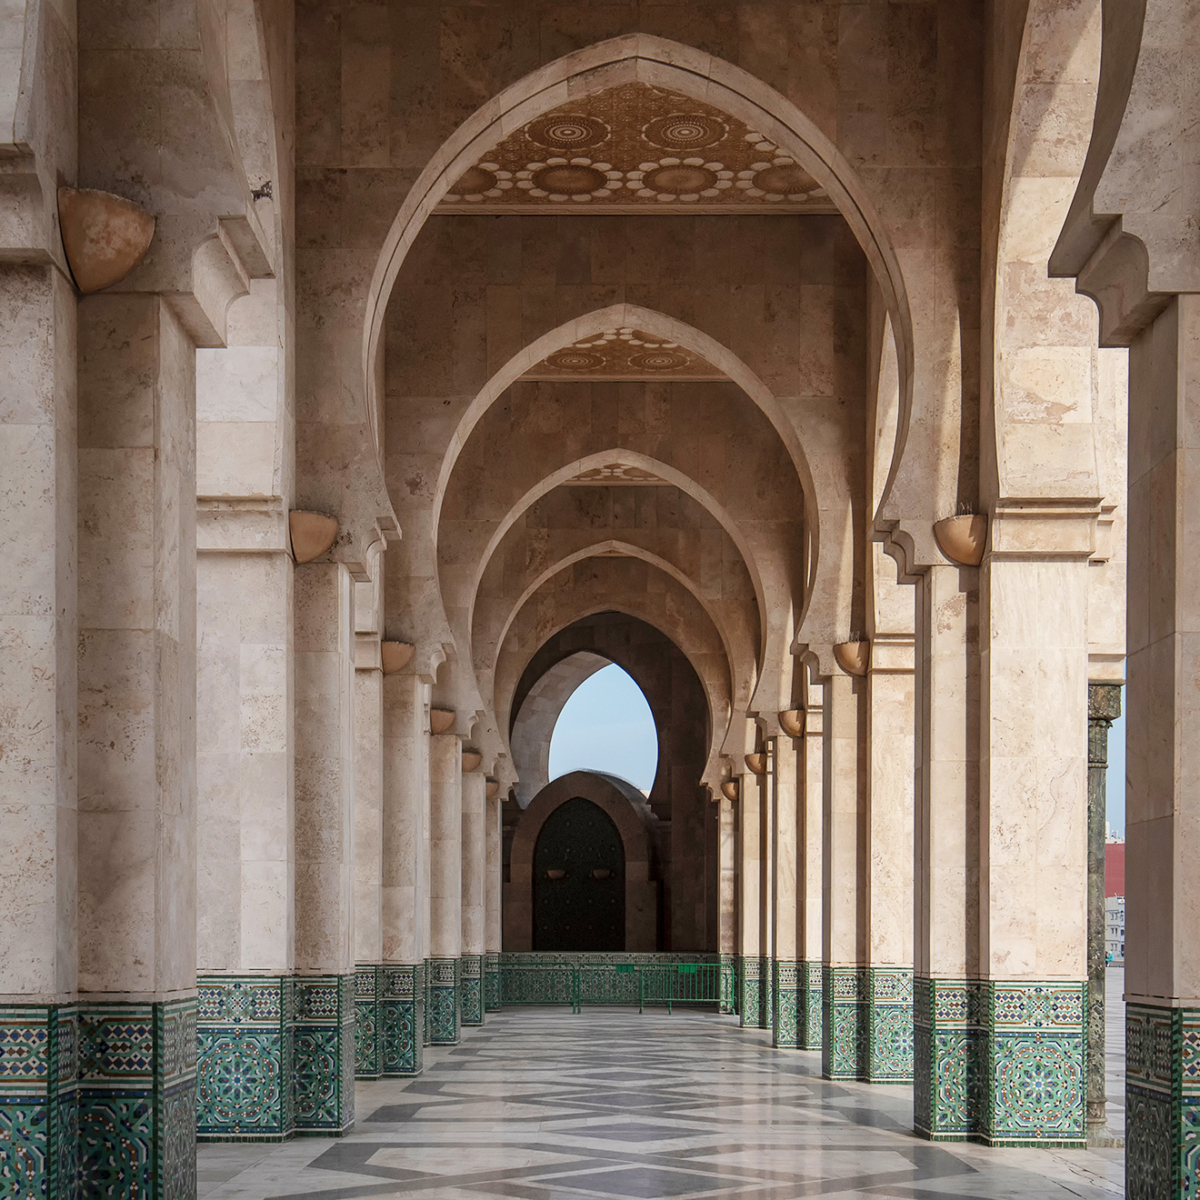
(443, 1001)
(367, 1054)
(401, 1019)
(750, 998)
(785, 985)
(844, 993)
(1162, 1102)
(137, 1100)
(323, 1049)
(427, 1016)
(1000, 1062)
(39, 1068)
(491, 982)
(244, 1058)
(729, 984)
(470, 989)
(889, 1019)
(810, 1004)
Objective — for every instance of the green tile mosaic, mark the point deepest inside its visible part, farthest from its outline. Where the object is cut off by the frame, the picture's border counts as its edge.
(443, 1001)
(1162, 1102)
(809, 1006)
(785, 996)
(491, 982)
(750, 1000)
(244, 1028)
(368, 1059)
(470, 989)
(401, 1019)
(323, 1054)
(888, 1015)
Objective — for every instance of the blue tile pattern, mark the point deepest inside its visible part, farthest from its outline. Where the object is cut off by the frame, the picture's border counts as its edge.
(1162, 1102)
(245, 1026)
(323, 1054)
(1000, 1062)
(470, 989)
(402, 1019)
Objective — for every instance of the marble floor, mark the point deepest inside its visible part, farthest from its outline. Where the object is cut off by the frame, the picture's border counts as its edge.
(609, 1105)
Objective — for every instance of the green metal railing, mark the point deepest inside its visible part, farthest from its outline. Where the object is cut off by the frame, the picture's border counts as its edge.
(641, 979)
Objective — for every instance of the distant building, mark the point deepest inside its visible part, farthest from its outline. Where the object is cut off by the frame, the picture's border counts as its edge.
(1114, 870)
(1114, 928)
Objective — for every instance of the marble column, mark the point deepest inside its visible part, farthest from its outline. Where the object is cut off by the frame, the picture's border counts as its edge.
(137, 748)
(946, 941)
(323, 1039)
(750, 901)
(844, 977)
(785, 968)
(887, 1018)
(1033, 827)
(474, 874)
(368, 853)
(493, 892)
(1162, 806)
(727, 886)
(245, 697)
(39, 695)
(445, 886)
(1104, 707)
(810, 875)
(404, 879)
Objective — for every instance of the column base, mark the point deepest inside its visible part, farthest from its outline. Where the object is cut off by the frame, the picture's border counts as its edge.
(491, 982)
(401, 1020)
(750, 991)
(1000, 1062)
(889, 1020)
(785, 1022)
(367, 1057)
(244, 1028)
(323, 1041)
(427, 1021)
(729, 984)
(470, 989)
(844, 1044)
(1162, 1102)
(443, 1001)
(809, 1006)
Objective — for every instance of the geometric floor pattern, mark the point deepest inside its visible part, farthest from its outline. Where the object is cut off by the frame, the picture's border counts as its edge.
(540, 1104)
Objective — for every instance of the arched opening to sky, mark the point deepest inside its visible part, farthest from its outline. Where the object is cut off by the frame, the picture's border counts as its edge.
(606, 725)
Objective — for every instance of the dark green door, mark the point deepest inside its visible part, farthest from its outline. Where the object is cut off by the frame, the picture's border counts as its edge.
(579, 880)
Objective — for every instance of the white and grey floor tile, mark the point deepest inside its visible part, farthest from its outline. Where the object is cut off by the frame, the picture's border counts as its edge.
(541, 1104)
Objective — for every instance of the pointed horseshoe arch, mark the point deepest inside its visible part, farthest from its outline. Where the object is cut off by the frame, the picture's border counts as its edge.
(662, 63)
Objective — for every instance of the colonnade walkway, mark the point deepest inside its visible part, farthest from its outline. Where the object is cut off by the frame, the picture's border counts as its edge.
(540, 1104)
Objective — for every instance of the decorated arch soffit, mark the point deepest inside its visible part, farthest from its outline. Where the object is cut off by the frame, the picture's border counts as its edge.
(672, 607)
(652, 77)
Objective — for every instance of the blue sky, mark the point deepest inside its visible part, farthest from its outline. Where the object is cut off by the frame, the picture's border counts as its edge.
(606, 725)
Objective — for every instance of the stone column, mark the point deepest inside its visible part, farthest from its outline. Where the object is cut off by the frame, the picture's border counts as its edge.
(39, 695)
(474, 868)
(368, 853)
(1162, 813)
(843, 1046)
(750, 900)
(947, 855)
(445, 879)
(324, 989)
(1033, 826)
(137, 747)
(888, 1004)
(810, 885)
(1104, 707)
(404, 878)
(493, 897)
(785, 765)
(727, 885)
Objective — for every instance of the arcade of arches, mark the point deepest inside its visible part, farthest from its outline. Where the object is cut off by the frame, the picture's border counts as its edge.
(375, 373)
